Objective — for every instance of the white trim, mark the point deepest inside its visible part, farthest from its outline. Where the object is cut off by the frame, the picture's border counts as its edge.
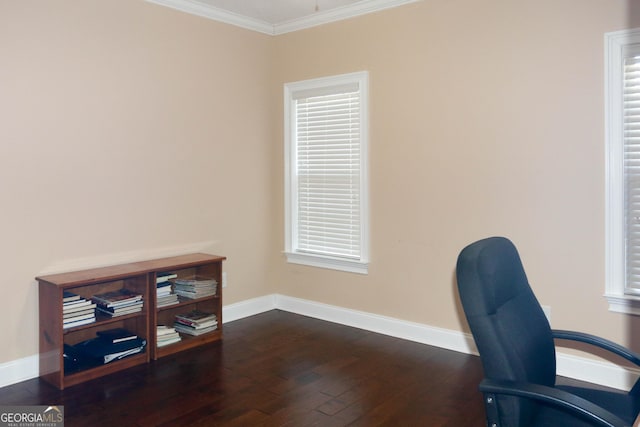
(568, 365)
(247, 308)
(327, 262)
(614, 178)
(204, 10)
(361, 266)
(627, 304)
(18, 370)
(425, 334)
(596, 371)
(614, 211)
(615, 238)
(338, 14)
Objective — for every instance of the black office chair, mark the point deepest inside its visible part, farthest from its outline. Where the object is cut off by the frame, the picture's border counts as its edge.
(516, 346)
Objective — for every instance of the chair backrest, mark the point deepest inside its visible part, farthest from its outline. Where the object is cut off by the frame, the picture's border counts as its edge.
(508, 325)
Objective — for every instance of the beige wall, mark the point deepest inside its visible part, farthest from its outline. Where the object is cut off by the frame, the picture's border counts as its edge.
(129, 129)
(486, 119)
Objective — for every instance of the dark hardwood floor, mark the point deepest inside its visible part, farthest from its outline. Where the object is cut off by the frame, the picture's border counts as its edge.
(279, 369)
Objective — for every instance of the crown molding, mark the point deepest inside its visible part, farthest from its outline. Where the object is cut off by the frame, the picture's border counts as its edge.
(199, 8)
(338, 14)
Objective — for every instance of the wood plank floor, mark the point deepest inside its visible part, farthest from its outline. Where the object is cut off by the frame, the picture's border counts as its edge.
(279, 369)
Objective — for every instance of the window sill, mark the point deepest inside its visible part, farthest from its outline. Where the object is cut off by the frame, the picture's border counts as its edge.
(330, 263)
(627, 304)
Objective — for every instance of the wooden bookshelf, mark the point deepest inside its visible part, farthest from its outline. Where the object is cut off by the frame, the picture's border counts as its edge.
(139, 277)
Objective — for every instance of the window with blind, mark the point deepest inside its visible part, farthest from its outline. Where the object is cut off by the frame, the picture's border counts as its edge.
(623, 170)
(326, 208)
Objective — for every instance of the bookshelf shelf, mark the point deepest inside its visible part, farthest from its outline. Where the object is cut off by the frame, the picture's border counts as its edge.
(99, 371)
(138, 278)
(103, 319)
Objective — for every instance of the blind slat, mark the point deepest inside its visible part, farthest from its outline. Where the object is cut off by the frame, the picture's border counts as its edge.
(328, 154)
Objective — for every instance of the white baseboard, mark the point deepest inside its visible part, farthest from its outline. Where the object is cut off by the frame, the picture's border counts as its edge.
(247, 308)
(571, 366)
(596, 371)
(18, 370)
(425, 334)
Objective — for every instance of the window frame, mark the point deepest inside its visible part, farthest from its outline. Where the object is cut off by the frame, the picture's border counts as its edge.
(293, 255)
(616, 291)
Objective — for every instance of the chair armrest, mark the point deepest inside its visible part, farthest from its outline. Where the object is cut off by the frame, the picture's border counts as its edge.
(598, 342)
(556, 397)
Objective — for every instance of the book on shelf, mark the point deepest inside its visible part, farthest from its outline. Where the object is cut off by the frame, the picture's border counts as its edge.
(78, 306)
(118, 303)
(163, 330)
(196, 317)
(68, 296)
(163, 289)
(124, 305)
(165, 277)
(196, 322)
(165, 295)
(193, 294)
(120, 311)
(193, 331)
(79, 317)
(74, 301)
(166, 335)
(121, 355)
(116, 298)
(77, 311)
(71, 324)
(98, 351)
(102, 351)
(195, 286)
(196, 325)
(116, 335)
(196, 280)
(168, 300)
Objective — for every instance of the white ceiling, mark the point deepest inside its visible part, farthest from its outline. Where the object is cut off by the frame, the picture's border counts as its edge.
(277, 11)
(279, 16)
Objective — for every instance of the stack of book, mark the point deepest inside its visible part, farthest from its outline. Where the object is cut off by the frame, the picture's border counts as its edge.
(164, 293)
(195, 287)
(118, 303)
(196, 322)
(109, 345)
(167, 335)
(76, 310)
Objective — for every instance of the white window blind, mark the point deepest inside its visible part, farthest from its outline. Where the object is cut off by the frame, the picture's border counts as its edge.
(631, 141)
(326, 150)
(622, 208)
(328, 160)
